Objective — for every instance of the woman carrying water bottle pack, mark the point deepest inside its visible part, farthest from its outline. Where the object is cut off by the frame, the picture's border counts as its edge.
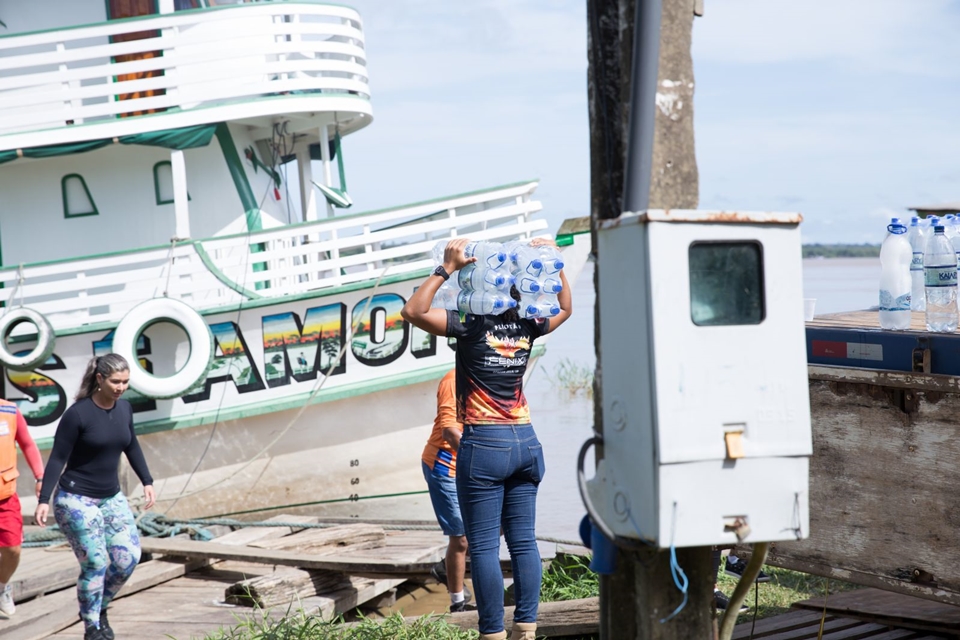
(500, 461)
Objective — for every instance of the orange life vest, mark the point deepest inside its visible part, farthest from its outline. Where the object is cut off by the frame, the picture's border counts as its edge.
(8, 449)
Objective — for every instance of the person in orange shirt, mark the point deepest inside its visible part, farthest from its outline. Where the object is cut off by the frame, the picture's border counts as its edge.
(13, 431)
(439, 461)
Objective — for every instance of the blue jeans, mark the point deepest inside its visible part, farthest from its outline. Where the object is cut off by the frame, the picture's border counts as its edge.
(443, 497)
(499, 469)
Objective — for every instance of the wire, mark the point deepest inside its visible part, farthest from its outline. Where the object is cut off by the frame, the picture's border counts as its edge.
(620, 541)
(306, 402)
(679, 577)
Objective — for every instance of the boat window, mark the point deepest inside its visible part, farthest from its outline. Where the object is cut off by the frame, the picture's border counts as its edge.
(726, 283)
(77, 200)
(163, 182)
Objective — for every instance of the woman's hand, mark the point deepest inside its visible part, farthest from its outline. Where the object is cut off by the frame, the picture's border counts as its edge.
(544, 242)
(150, 495)
(453, 258)
(40, 515)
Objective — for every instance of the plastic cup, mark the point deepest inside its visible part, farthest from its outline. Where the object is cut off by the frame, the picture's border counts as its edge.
(809, 304)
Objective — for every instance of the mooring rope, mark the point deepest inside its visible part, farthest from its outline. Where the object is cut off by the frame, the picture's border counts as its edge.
(156, 525)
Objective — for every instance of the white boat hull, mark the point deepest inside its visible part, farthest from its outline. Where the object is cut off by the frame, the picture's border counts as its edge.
(269, 429)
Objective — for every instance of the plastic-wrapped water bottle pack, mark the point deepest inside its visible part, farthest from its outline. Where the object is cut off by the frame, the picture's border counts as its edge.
(483, 287)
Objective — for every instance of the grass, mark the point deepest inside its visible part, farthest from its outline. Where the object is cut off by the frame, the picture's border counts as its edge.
(576, 379)
(296, 625)
(568, 578)
(785, 588)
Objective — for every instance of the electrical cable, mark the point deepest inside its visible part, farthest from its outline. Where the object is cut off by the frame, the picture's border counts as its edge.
(679, 577)
(620, 541)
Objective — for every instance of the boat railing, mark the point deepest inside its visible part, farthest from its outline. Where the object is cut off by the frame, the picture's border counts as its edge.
(202, 62)
(223, 272)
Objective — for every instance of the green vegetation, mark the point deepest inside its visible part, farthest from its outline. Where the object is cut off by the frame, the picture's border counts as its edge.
(297, 625)
(569, 578)
(785, 588)
(841, 250)
(575, 379)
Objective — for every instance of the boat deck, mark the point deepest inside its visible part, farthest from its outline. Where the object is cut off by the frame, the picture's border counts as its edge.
(855, 339)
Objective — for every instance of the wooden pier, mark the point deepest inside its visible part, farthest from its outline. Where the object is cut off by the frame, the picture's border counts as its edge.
(191, 588)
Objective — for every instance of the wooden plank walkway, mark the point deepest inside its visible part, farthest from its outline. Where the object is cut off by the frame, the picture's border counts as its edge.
(805, 625)
(886, 607)
(404, 553)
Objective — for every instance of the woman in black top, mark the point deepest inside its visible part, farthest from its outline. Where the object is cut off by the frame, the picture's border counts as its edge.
(88, 506)
(499, 461)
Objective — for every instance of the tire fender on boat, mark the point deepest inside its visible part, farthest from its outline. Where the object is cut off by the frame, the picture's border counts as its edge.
(46, 339)
(198, 363)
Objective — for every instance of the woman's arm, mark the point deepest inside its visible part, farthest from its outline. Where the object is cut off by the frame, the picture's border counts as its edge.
(564, 298)
(417, 311)
(63, 442)
(139, 465)
(30, 450)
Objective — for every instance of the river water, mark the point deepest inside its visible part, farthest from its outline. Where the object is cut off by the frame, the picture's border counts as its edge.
(564, 421)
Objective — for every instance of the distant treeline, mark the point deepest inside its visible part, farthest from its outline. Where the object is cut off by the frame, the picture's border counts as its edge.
(841, 250)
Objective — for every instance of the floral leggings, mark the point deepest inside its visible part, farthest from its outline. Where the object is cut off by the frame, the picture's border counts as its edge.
(103, 536)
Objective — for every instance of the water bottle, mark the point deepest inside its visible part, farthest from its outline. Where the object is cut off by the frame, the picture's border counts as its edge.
(949, 226)
(541, 307)
(484, 303)
(475, 277)
(940, 280)
(551, 259)
(437, 252)
(551, 286)
(490, 254)
(917, 237)
(955, 239)
(527, 284)
(525, 260)
(895, 257)
(446, 296)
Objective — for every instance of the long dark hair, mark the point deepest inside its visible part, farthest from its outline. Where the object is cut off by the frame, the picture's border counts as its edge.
(105, 366)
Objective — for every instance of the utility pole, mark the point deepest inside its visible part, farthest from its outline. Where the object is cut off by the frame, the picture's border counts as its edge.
(640, 64)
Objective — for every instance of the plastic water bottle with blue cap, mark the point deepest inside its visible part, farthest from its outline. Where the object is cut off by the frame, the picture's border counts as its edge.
(940, 282)
(550, 258)
(485, 303)
(551, 286)
(896, 255)
(917, 237)
(542, 307)
(476, 277)
(489, 254)
(525, 260)
(527, 285)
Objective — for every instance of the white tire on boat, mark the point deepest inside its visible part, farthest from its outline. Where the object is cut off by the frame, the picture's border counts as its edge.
(46, 339)
(198, 333)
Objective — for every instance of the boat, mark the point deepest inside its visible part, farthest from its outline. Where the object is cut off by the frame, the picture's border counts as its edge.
(173, 184)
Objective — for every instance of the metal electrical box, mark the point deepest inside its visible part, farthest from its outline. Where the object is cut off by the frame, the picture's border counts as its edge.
(706, 409)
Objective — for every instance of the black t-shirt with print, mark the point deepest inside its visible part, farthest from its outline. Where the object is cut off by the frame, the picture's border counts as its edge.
(492, 356)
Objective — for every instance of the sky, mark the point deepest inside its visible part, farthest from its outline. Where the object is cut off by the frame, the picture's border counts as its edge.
(843, 110)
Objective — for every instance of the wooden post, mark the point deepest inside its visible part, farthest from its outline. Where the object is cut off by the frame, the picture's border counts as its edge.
(642, 591)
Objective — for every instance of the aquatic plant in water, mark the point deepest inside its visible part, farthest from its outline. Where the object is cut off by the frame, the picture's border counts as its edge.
(574, 378)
